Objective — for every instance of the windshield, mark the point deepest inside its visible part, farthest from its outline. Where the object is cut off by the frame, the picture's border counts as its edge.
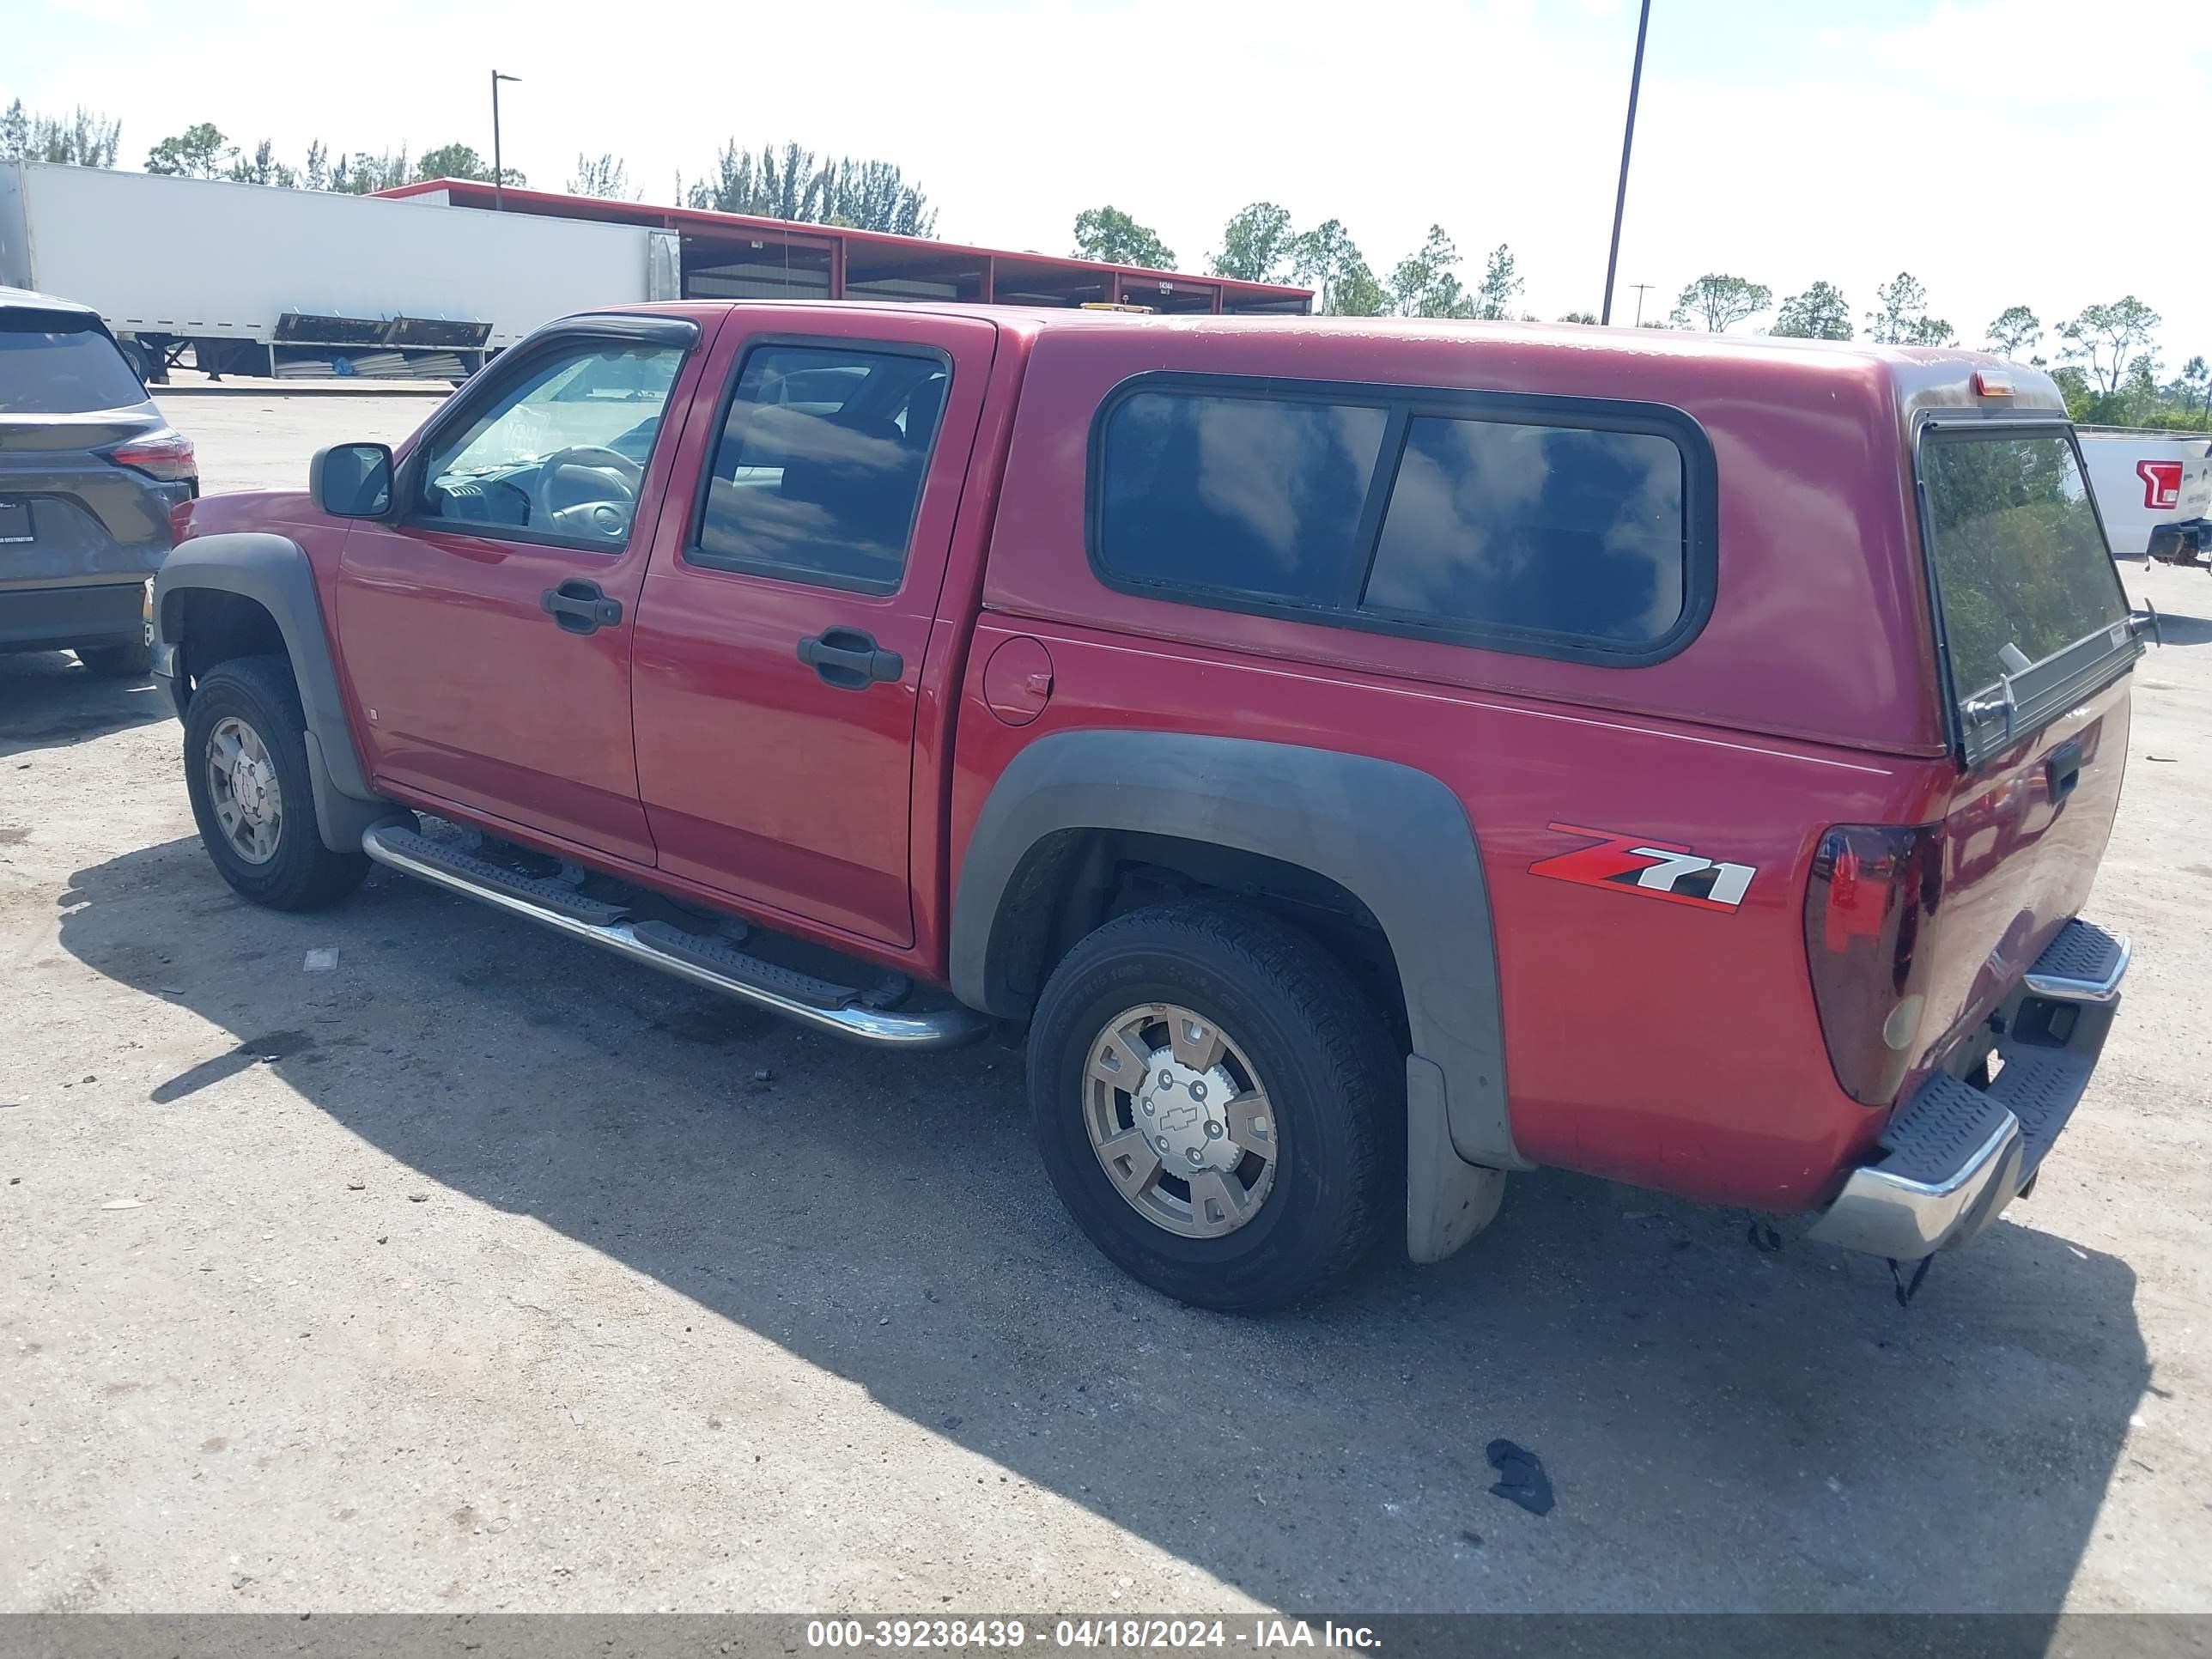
(59, 364)
(2021, 568)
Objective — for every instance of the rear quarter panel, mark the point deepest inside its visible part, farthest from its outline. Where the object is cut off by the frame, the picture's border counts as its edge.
(1661, 1043)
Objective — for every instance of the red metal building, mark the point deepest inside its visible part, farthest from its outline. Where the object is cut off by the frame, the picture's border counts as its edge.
(734, 256)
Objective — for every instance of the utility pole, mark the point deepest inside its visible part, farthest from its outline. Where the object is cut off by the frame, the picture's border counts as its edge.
(499, 172)
(1642, 289)
(1627, 142)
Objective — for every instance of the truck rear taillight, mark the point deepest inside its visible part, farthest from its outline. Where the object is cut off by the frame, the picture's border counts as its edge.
(1869, 922)
(164, 454)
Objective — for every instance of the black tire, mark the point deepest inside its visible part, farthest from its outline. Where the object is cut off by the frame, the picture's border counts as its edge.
(131, 660)
(301, 874)
(145, 364)
(1331, 1071)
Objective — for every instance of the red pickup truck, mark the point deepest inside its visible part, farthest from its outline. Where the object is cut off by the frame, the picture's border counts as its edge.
(1365, 759)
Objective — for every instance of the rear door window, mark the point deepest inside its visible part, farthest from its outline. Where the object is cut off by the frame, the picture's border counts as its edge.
(821, 463)
(53, 364)
(2031, 601)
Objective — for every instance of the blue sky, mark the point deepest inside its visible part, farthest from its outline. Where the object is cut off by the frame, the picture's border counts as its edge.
(2003, 151)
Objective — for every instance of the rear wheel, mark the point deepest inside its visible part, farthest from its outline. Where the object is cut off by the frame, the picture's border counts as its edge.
(1218, 1105)
(246, 768)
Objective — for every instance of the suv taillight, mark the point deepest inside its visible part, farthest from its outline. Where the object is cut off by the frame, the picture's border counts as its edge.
(165, 454)
(1869, 936)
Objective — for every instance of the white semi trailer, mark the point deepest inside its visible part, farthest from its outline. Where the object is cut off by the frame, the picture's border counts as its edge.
(253, 280)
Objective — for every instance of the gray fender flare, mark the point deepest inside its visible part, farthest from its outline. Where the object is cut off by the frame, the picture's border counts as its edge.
(1395, 837)
(274, 572)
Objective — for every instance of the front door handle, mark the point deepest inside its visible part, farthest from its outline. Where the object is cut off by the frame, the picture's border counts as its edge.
(849, 659)
(580, 608)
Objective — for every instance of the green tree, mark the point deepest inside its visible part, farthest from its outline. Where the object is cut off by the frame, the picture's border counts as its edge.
(1425, 282)
(81, 139)
(1900, 315)
(771, 185)
(601, 175)
(1257, 245)
(875, 196)
(1718, 301)
(1820, 312)
(262, 167)
(795, 184)
(1500, 286)
(459, 161)
(198, 152)
(364, 173)
(2073, 387)
(1327, 258)
(2014, 332)
(1111, 236)
(2105, 339)
(1590, 316)
(2192, 387)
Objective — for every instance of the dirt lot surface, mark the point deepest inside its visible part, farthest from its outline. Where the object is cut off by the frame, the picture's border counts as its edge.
(481, 1271)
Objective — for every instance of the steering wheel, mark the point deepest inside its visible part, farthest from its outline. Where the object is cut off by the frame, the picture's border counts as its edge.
(610, 477)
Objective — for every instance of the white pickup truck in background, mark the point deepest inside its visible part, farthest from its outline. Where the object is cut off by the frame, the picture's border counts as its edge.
(2154, 491)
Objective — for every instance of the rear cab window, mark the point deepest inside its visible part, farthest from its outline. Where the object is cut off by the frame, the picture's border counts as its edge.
(59, 363)
(2032, 610)
(1577, 528)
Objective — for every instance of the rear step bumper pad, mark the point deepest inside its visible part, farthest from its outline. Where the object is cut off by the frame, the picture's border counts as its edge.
(711, 963)
(1955, 1155)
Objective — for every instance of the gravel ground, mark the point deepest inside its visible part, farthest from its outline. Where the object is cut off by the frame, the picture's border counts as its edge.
(482, 1271)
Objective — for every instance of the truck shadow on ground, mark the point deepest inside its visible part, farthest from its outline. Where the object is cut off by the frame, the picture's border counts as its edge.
(2176, 629)
(48, 701)
(1727, 1428)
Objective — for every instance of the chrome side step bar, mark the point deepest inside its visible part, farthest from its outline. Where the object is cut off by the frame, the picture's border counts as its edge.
(2083, 963)
(711, 963)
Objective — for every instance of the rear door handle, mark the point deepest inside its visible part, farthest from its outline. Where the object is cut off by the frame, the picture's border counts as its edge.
(579, 607)
(850, 659)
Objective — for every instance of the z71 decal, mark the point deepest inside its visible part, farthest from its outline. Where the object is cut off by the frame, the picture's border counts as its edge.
(1649, 869)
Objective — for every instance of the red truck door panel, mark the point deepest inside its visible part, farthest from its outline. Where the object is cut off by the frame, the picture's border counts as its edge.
(487, 632)
(781, 633)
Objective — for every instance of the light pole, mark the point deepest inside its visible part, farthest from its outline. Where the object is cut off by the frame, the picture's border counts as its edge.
(499, 172)
(1642, 289)
(1627, 140)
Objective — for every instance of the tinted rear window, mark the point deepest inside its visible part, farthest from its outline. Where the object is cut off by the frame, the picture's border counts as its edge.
(1254, 495)
(1555, 529)
(2022, 568)
(1524, 530)
(49, 368)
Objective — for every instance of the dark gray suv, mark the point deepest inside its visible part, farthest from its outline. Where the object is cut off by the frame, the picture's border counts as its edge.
(88, 473)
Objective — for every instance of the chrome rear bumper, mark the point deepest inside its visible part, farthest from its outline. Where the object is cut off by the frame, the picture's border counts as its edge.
(1954, 1155)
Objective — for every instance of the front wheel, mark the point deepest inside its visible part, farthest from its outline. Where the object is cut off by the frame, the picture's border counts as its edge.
(1218, 1105)
(246, 768)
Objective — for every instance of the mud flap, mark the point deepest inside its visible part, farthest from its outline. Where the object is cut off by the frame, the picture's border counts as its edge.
(1447, 1200)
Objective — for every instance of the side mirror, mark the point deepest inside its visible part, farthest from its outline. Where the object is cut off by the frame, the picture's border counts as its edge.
(352, 480)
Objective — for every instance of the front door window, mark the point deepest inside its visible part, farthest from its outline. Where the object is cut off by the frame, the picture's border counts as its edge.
(560, 456)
